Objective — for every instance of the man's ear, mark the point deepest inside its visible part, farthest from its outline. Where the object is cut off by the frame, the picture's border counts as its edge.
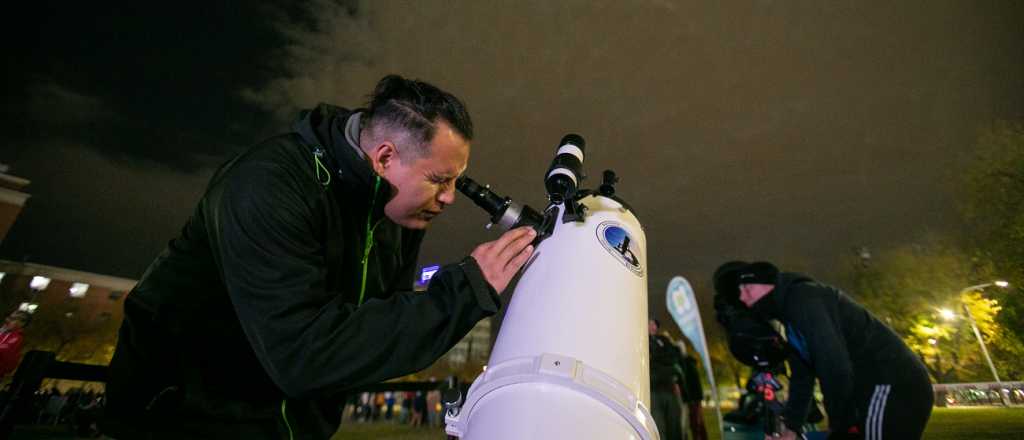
(383, 156)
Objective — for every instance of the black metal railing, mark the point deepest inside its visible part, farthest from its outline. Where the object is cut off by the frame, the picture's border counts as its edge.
(36, 366)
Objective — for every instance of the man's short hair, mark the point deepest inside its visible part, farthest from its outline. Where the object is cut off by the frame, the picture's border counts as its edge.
(414, 107)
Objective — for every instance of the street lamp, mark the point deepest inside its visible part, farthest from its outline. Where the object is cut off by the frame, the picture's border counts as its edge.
(947, 314)
(977, 333)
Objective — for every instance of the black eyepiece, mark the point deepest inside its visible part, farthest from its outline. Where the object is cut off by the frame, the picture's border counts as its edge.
(566, 171)
(494, 204)
(503, 211)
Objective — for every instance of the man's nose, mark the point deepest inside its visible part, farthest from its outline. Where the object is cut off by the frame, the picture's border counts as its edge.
(447, 195)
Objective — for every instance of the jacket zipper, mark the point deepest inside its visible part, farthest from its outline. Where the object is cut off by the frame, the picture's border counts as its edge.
(368, 245)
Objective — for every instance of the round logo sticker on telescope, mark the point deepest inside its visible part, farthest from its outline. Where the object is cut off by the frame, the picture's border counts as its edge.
(617, 241)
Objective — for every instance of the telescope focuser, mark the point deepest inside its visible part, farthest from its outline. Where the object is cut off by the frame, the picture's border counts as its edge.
(504, 212)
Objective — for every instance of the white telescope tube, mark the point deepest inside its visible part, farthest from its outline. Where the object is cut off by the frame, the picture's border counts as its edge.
(571, 359)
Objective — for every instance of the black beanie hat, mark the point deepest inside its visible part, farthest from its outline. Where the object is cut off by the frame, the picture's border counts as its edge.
(761, 272)
(726, 278)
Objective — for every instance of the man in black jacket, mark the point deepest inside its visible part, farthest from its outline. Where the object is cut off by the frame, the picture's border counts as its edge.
(290, 283)
(874, 387)
(666, 383)
(693, 393)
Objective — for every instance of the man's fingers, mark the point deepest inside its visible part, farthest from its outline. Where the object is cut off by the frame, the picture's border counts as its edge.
(509, 238)
(519, 260)
(517, 246)
(500, 259)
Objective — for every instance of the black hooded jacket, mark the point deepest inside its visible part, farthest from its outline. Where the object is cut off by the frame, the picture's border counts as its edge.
(836, 340)
(666, 365)
(249, 324)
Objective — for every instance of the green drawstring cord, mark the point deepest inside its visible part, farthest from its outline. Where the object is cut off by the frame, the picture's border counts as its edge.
(368, 246)
(284, 416)
(321, 169)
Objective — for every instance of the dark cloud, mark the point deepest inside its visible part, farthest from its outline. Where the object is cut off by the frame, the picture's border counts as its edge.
(89, 212)
(138, 82)
(330, 56)
(117, 114)
(65, 108)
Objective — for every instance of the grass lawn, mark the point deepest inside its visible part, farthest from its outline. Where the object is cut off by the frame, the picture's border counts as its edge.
(382, 431)
(945, 424)
(984, 423)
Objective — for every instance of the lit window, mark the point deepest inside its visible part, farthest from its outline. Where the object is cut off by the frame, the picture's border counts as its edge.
(39, 283)
(78, 290)
(28, 307)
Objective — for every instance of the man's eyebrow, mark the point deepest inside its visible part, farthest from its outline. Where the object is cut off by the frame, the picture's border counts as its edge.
(444, 174)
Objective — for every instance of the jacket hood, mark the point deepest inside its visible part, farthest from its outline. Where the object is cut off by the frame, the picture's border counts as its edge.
(325, 126)
(772, 304)
(336, 130)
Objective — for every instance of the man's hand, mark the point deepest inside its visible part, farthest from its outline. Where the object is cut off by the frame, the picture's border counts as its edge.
(500, 259)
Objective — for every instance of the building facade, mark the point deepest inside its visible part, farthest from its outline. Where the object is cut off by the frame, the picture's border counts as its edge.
(75, 314)
(12, 199)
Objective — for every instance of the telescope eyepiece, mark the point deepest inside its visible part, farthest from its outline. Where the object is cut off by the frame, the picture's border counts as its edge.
(483, 197)
(503, 211)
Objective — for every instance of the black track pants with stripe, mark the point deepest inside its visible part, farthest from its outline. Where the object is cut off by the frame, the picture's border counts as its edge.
(896, 411)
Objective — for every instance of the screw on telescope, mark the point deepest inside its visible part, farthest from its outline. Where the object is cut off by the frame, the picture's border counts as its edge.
(608, 182)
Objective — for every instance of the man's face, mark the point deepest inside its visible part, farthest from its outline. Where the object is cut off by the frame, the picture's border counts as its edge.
(421, 187)
(752, 293)
(652, 327)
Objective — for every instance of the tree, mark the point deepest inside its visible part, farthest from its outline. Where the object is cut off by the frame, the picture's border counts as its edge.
(992, 201)
(907, 286)
(993, 196)
(727, 368)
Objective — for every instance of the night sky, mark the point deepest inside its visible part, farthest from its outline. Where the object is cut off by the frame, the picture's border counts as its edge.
(793, 131)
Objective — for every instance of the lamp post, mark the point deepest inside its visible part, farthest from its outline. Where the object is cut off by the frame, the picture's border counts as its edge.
(977, 333)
